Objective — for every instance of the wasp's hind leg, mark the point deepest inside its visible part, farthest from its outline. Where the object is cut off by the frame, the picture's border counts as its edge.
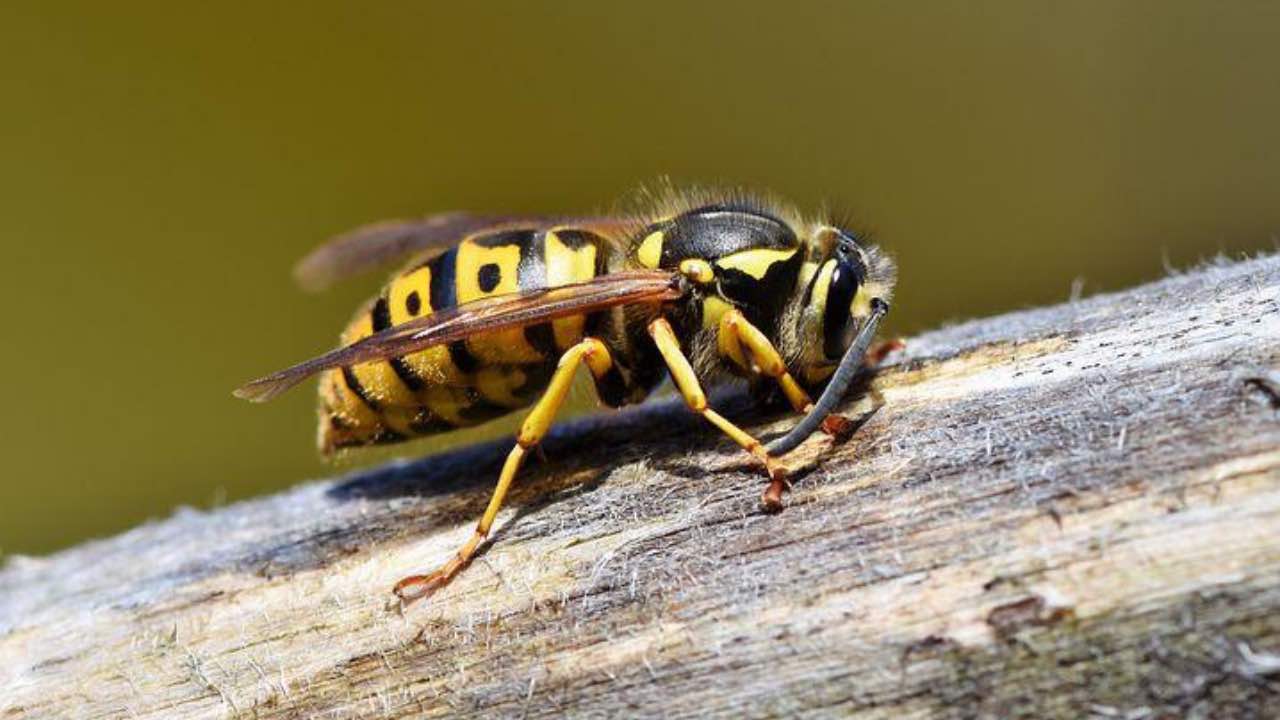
(687, 382)
(596, 356)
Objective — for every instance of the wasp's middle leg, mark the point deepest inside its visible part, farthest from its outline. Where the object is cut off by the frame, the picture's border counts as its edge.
(687, 382)
(595, 355)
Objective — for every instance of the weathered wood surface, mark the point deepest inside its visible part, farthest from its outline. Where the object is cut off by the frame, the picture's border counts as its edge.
(1059, 512)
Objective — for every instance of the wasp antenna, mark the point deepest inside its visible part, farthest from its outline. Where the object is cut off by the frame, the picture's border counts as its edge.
(835, 390)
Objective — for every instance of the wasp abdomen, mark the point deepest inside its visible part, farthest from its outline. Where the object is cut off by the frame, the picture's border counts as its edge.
(470, 381)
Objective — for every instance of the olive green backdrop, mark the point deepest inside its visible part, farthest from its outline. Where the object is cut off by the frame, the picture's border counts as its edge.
(164, 165)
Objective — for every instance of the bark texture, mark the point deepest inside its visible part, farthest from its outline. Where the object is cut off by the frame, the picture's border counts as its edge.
(1062, 512)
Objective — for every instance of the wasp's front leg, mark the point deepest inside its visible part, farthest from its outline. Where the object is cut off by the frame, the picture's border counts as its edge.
(747, 347)
(880, 350)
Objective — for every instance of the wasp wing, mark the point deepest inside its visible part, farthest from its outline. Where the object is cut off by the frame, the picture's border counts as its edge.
(490, 314)
(383, 243)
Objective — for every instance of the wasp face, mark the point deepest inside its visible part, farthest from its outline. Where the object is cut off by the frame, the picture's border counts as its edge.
(846, 275)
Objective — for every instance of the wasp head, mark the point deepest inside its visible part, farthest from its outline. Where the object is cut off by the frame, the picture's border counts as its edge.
(846, 278)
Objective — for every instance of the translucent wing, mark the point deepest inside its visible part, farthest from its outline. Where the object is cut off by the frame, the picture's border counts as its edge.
(383, 243)
(372, 246)
(463, 321)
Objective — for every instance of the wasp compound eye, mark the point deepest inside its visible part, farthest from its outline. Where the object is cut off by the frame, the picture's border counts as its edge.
(836, 315)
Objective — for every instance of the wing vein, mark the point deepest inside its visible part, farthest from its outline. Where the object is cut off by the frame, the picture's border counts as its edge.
(482, 316)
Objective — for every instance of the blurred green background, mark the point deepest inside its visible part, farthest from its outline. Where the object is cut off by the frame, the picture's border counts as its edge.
(165, 164)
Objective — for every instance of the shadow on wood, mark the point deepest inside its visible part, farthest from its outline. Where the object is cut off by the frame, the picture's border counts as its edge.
(1058, 512)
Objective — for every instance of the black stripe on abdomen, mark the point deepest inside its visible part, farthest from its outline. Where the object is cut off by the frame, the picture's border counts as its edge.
(381, 320)
(532, 275)
(462, 357)
(380, 315)
(532, 271)
(444, 295)
(407, 374)
(353, 384)
(543, 339)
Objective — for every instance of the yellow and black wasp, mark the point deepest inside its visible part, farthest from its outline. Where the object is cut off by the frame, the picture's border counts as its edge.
(496, 313)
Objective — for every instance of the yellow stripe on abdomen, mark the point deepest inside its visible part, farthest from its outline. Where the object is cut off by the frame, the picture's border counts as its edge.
(345, 419)
(568, 264)
(381, 387)
(484, 271)
(409, 297)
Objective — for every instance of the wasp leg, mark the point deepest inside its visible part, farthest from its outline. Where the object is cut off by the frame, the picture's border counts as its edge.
(880, 350)
(736, 334)
(683, 375)
(596, 356)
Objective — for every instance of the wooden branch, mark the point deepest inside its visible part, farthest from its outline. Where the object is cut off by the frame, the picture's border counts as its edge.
(1053, 513)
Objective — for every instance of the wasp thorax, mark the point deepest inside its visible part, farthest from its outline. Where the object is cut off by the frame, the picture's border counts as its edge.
(748, 259)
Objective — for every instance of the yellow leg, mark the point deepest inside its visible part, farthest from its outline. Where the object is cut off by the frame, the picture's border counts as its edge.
(683, 375)
(595, 355)
(736, 334)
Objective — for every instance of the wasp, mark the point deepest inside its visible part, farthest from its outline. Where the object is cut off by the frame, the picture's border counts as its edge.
(497, 313)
